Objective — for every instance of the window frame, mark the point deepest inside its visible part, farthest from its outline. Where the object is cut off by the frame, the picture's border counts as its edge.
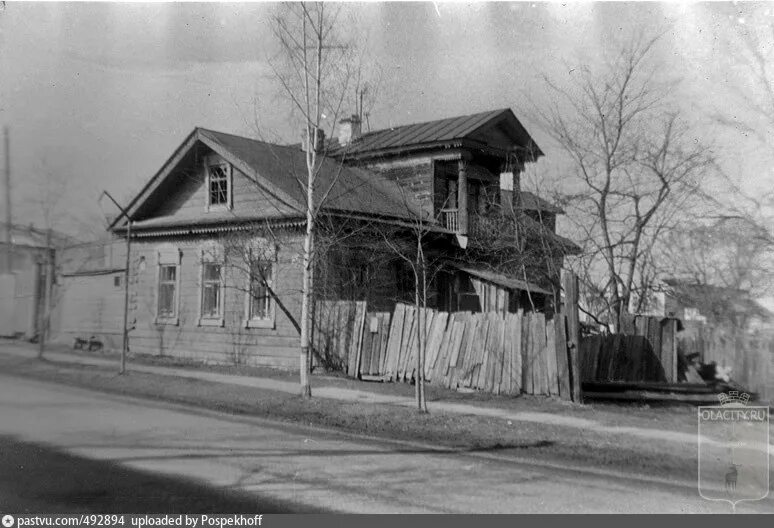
(211, 162)
(211, 254)
(270, 320)
(168, 257)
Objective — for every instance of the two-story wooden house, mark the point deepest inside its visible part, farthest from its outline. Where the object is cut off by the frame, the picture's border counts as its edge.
(217, 232)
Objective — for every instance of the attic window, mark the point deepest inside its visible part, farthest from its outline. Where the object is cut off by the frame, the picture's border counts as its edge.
(219, 185)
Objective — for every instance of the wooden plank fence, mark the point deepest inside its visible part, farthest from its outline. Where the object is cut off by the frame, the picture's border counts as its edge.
(750, 357)
(644, 350)
(501, 354)
(619, 357)
(338, 335)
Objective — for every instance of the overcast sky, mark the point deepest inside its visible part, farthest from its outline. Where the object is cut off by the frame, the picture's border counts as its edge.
(99, 95)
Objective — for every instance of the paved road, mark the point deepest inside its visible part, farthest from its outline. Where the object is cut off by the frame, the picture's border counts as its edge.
(308, 468)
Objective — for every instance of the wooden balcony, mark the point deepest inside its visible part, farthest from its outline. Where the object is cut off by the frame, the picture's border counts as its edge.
(450, 219)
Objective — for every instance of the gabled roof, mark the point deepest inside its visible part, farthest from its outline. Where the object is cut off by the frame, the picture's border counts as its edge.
(280, 171)
(715, 298)
(438, 133)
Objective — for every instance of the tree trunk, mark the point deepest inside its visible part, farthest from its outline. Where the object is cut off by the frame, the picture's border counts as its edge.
(306, 298)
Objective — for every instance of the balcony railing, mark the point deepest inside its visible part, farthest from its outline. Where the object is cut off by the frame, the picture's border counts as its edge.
(450, 219)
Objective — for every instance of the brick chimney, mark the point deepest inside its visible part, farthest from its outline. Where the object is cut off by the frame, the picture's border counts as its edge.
(320, 139)
(349, 129)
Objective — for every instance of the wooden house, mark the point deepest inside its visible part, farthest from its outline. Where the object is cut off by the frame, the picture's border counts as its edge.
(217, 232)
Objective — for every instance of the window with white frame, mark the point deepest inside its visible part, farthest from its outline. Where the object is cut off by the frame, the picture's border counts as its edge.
(261, 279)
(218, 175)
(168, 285)
(212, 287)
(260, 297)
(211, 290)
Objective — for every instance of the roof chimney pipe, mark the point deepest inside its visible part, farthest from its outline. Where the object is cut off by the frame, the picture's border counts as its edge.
(308, 137)
(349, 129)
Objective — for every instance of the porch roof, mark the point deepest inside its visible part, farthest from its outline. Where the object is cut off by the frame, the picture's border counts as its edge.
(503, 280)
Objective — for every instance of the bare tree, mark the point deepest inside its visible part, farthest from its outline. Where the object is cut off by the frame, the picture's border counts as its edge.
(636, 170)
(409, 243)
(315, 71)
(749, 37)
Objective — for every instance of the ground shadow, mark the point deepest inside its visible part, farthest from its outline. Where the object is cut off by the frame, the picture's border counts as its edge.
(41, 479)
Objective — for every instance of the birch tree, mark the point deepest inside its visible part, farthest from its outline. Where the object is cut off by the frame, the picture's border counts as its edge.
(315, 69)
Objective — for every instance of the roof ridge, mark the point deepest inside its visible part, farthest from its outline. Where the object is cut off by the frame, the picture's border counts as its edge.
(492, 112)
(254, 140)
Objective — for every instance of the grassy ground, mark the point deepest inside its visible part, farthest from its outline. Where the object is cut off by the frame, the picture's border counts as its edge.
(672, 417)
(564, 445)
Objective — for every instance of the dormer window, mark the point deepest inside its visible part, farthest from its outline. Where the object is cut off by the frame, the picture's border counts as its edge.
(218, 184)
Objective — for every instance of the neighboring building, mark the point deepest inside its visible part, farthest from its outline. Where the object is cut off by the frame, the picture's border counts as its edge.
(217, 233)
(715, 305)
(22, 286)
(695, 303)
(89, 294)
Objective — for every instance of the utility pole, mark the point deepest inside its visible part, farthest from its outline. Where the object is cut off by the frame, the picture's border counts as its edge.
(48, 270)
(8, 217)
(125, 345)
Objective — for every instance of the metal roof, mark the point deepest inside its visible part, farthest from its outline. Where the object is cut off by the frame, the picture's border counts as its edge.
(427, 133)
(503, 280)
(532, 202)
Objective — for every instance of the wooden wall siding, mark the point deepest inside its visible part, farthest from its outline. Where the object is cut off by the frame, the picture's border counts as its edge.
(91, 305)
(232, 343)
(188, 200)
(415, 176)
(750, 357)
(497, 353)
(353, 273)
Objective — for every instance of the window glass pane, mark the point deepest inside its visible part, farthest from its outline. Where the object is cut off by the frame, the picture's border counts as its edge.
(167, 300)
(168, 273)
(218, 185)
(211, 300)
(167, 285)
(212, 272)
(260, 298)
(211, 278)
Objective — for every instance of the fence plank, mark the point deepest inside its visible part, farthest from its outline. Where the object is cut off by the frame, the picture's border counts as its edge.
(526, 349)
(560, 342)
(455, 346)
(515, 382)
(434, 342)
(668, 354)
(495, 343)
(442, 360)
(407, 347)
(367, 345)
(394, 342)
(505, 375)
(570, 287)
(539, 330)
(356, 341)
(550, 355)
